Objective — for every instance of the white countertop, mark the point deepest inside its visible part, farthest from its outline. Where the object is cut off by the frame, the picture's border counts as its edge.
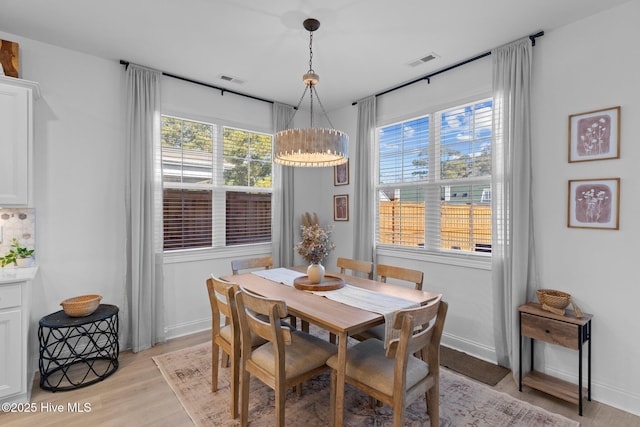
(16, 274)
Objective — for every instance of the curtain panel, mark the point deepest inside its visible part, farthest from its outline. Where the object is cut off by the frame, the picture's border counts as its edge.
(364, 198)
(282, 232)
(143, 323)
(513, 255)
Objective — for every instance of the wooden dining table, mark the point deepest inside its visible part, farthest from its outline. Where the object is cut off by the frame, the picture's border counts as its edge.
(340, 319)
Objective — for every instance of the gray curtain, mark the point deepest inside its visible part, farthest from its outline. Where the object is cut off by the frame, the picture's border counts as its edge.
(282, 232)
(143, 323)
(513, 261)
(364, 198)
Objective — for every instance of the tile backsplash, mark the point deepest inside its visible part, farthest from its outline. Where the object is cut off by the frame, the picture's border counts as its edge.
(19, 223)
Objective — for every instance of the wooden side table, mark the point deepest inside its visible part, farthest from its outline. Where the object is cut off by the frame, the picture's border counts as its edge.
(567, 331)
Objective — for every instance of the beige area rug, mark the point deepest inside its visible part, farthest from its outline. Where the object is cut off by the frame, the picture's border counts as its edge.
(463, 402)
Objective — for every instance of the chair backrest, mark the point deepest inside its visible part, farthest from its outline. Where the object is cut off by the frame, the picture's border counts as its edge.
(250, 306)
(365, 267)
(400, 273)
(419, 334)
(222, 301)
(247, 263)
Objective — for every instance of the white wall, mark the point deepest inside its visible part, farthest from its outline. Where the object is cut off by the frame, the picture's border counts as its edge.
(588, 65)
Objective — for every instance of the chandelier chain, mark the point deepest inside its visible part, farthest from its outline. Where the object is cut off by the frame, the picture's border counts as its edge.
(311, 52)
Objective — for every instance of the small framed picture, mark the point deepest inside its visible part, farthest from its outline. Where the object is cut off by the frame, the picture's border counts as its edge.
(341, 207)
(594, 203)
(594, 135)
(341, 174)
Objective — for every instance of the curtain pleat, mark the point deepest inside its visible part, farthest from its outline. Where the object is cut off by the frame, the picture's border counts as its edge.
(364, 197)
(282, 232)
(513, 254)
(143, 314)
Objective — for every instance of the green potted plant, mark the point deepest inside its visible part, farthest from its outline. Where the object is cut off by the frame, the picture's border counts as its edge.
(22, 257)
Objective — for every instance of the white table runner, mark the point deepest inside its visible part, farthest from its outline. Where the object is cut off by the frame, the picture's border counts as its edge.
(354, 296)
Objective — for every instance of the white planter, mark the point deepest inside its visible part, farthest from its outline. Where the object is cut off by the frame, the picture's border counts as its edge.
(24, 262)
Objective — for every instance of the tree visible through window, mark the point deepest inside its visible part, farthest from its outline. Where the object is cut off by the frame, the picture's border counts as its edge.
(434, 180)
(214, 194)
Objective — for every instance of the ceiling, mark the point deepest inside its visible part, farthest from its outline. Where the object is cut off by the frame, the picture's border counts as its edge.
(362, 46)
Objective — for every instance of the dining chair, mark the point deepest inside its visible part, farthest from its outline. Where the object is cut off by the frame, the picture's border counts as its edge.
(266, 262)
(227, 337)
(251, 263)
(365, 267)
(390, 271)
(394, 375)
(406, 274)
(287, 359)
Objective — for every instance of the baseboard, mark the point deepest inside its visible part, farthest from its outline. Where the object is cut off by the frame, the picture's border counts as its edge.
(187, 328)
(473, 348)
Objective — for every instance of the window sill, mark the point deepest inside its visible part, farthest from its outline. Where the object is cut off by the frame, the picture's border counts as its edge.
(191, 255)
(470, 260)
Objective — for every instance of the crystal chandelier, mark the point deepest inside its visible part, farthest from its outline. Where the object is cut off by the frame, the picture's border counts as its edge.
(311, 147)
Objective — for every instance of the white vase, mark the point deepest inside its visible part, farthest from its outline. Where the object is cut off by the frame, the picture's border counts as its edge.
(315, 273)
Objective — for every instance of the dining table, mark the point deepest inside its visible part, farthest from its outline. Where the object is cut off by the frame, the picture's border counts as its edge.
(342, 320)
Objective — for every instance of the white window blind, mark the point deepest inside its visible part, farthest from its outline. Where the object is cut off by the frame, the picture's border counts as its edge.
(215, 194)
(434, 176)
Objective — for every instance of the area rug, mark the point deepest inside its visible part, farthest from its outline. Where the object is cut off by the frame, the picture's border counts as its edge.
(463, 402)
(469, 366)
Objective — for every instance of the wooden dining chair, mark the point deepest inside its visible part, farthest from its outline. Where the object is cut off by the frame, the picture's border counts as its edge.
(364, 267)
(395, 376)
(408, 275)
(251, 263)
(286, 360)
(227, 337)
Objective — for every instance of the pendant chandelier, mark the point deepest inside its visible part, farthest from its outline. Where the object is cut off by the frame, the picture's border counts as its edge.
(311, 147)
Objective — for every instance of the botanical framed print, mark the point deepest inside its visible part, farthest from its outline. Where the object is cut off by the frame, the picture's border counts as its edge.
(594, 135)
(594, 203)
(341, 174)
(341, 207)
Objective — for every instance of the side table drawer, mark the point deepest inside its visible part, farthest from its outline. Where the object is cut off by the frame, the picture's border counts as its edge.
(10, 296)
(550, 330)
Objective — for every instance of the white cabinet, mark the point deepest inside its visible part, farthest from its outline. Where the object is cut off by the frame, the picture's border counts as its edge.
(15, 302)
(16, 141)
(13, 354)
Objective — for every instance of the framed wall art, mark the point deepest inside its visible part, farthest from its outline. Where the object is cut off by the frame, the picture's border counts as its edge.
(594, 203)
(341, 174)
(341, 207)
(594, 135)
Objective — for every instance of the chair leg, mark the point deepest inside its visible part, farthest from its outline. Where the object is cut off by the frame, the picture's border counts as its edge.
(332, 338)
(398, 416)
(215, 354)
(304, 325)
(244, 400)
(235, 384)
(433, 404)
(225, 360)
(280, 394)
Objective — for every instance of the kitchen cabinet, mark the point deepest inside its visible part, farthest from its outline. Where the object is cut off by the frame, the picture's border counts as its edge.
(16, 141)
(15, 302)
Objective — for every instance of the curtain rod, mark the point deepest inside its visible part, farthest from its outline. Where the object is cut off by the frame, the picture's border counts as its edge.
(221, 89)
(459, 64)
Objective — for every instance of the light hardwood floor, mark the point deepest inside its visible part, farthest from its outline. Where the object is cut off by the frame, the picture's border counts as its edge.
(137, 395)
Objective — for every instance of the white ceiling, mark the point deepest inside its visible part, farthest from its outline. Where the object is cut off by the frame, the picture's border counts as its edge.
(361, 48)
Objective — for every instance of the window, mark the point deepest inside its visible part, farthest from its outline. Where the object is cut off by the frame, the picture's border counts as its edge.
(434, 181)
(215, 195)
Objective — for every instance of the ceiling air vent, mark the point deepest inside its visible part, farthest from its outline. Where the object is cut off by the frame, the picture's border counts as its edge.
(231, 79)
(424, 59)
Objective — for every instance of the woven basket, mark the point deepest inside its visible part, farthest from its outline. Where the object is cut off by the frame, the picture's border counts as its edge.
(81, 306)
(556, 301)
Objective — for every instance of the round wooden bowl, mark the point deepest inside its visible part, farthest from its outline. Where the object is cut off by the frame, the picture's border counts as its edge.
(81, 306)
(553, 298)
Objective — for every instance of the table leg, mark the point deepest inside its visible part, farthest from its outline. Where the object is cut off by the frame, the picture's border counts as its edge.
(340, 374)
